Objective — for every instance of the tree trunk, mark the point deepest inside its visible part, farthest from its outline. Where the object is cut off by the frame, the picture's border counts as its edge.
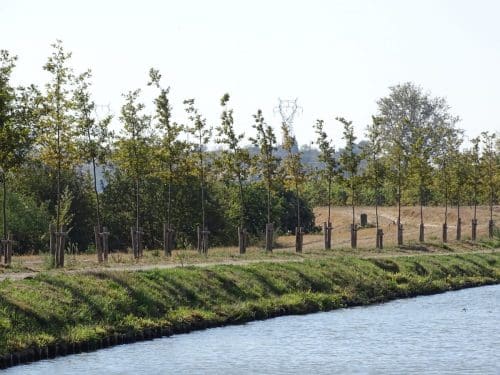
(4, 204)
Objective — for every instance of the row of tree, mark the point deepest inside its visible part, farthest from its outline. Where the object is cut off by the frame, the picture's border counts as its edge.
(161, 175)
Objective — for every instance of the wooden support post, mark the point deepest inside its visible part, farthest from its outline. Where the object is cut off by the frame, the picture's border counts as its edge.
(60, 246)
(354, 236)
(299, 239)
(330, 230)
(364, 220)
(133, 235)
(491, 226)
(204, 241)
(171, 238)
(269, 237)
(198, 234)
(6, 246)
(474, 229)
(168, 239)
(459, 229)
(325, 234)
(380, 239)
(421, 236)
(445, 233)
(140, 245)
(242, 236)
(98, 243)
(400, 233)
(52, 243)
(105, 243)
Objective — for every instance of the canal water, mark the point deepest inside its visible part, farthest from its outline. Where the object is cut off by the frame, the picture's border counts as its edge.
(451, 333)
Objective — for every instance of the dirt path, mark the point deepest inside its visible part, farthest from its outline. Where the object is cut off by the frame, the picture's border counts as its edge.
(145, 267)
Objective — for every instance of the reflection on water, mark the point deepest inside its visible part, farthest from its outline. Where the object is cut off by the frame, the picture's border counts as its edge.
(455, 332)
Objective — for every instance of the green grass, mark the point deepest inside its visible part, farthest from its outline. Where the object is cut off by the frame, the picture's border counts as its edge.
(76, 308)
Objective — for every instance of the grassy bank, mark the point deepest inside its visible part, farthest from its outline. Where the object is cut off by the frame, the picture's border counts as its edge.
(63, 313)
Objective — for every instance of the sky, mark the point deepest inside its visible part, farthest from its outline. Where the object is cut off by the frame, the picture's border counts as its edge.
(336, 57)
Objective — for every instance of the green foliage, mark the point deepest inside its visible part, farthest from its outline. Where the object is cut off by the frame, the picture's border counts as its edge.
(234, 160)
(29, 222)
(266, 162)
(77, 308)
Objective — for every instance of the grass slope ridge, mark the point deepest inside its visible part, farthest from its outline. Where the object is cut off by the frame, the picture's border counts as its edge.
(69, 310)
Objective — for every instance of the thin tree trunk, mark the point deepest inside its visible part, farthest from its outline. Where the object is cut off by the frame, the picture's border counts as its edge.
(269, 203)
(4, 204)
(298, 202)
(329, 199)
(202, 180)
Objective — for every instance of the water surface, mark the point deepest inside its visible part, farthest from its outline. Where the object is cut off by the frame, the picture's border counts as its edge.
(451, 333)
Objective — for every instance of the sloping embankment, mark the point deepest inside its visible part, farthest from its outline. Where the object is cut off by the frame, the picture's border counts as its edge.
(60, 314)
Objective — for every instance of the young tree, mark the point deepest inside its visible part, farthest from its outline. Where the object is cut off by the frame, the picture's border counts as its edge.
(475, 161)
(236, 161)
(420, 172)
(267, 163)
(489, 160)
(447, 145)
(460, 171)
(18, 112)
(328, 172)
(293, 172)
(405, 113)
(170, 151)
(350, 160)
(94, 140)
(202, 133)
(56, 136)
(374, 170)
(133, 154)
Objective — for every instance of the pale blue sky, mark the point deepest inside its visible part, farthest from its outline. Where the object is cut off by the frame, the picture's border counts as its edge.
(337, 57)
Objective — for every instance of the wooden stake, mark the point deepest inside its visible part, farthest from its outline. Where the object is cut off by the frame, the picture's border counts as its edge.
(421, 236)
(491, 226)
(445, 233)
(380, 239)
(199, 245)
(299, 236)
(204, 241)
(98, 244)
(133, 235)
(400, 233)
(269, 237)
(354, 236)
(459, 229)
(474, 229)
(105, 244)
(52, 243)
(242, 234)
